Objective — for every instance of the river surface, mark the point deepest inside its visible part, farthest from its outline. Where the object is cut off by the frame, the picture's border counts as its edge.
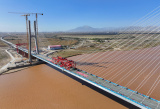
(42, 87)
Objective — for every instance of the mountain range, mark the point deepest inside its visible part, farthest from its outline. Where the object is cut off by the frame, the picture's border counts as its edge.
(115, 29)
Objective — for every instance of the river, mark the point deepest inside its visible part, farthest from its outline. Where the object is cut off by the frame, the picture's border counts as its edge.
(42, 87)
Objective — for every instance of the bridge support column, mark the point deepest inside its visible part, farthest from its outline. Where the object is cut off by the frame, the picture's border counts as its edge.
(30, 37)
(35, 37)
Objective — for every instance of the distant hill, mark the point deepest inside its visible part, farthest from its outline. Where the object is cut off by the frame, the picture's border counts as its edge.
(83, 29)
(91, 29)
(115, 29)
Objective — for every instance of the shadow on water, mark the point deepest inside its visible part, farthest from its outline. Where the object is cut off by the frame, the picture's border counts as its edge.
(93, 64)
(118, 100)
(13, 71)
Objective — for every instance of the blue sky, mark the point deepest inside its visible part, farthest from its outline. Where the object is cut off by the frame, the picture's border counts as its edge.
(63, 15)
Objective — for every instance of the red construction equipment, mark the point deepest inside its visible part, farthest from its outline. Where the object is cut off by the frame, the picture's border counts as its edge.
(20, 51)
(63, 62)
(20, 44)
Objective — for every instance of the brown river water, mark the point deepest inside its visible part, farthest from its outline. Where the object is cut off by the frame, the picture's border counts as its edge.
(42, 87)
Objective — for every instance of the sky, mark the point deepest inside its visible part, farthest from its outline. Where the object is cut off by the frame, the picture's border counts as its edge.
(63, 15)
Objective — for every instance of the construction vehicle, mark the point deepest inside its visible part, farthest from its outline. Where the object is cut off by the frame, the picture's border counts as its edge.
(63, 62)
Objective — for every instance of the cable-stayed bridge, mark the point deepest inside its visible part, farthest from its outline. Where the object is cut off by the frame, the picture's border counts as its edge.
(129, 72)
(124, 93)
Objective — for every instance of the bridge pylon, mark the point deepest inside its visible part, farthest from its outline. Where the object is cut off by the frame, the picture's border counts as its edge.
(30, 40)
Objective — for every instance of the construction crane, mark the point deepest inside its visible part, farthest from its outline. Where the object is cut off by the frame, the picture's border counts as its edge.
(26, 16)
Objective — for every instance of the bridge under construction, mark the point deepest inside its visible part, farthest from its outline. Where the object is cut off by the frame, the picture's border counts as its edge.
(98, 77)
(125, 94)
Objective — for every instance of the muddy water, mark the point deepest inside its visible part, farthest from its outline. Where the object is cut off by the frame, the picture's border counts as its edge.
(42, 87)
(138, 69)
